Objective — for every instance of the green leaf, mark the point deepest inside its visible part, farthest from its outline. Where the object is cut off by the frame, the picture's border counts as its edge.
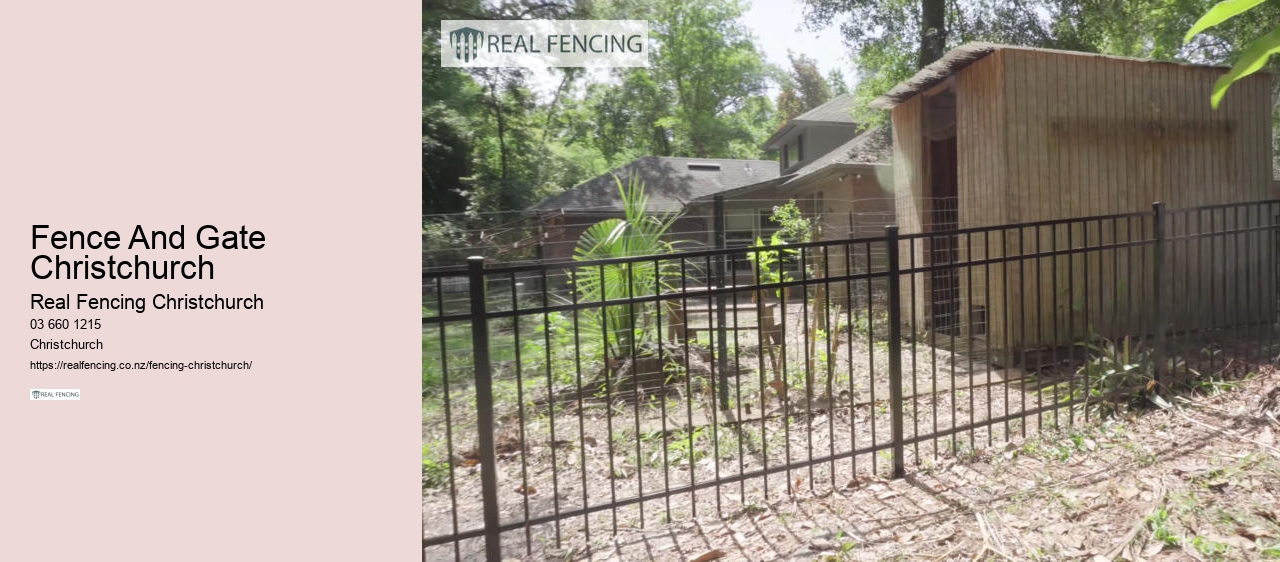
(1220, 12)
(1251, 60)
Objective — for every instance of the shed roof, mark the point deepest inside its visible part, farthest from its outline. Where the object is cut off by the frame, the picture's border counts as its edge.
(670, 183)
(960, 57)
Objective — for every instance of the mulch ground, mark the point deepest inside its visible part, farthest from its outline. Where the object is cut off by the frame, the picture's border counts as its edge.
(1197, 481)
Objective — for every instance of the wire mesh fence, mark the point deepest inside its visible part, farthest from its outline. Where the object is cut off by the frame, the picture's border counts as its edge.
(567, 399)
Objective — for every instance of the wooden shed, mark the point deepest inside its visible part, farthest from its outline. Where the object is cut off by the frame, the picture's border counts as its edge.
(995, 135)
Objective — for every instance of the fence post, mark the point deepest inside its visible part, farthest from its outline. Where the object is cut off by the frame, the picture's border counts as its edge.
(484, 409)
(722, 345)
(895, 352)
(1157, 226)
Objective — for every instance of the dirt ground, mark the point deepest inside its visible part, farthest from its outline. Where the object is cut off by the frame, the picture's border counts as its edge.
(1197, 481)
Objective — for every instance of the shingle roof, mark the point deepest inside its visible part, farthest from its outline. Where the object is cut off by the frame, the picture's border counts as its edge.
(836, 111)
(669, 183)
(960, 57)
(873, 147)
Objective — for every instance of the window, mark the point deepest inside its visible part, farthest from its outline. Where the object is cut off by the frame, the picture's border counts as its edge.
(785, 152)
(739, 239)
(799, 148)
(792, 155)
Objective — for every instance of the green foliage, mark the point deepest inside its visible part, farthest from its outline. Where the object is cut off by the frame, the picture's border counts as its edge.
(636, 234)
(1220, 12)
(435, 472)
(803, 89)
(444, 242)
(793, 226)
(1251, 60)
(709, 63)
(1115, 374)
(1158, 524)
(767, 262)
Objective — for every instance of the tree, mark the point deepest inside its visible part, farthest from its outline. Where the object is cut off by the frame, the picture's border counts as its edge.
(1252, 59)
(712, 67)
(836, 80)
(933, 31)
(638, 233)
(804, 88)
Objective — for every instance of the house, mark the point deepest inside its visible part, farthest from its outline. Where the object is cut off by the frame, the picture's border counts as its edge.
(996, 134)
(831, 170)
(670, 183)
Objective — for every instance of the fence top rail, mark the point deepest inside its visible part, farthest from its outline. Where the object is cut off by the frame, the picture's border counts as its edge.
(434, 272)
(681, 256)
(1259, 203)
(1023, 225)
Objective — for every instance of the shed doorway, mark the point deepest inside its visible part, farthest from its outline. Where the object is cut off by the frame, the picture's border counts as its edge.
(943, 211)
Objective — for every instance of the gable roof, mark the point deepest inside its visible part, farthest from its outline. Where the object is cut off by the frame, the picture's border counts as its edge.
(835, 111)
(961, 57)
(873, 147)
(670, 183)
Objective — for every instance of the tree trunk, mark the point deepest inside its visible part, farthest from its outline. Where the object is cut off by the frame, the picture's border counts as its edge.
(933, 30)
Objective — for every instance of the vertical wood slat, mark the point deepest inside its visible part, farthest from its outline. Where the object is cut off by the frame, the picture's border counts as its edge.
(1127, 133)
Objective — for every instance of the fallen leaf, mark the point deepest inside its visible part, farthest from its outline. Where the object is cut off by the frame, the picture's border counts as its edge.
(1252, 533)
(1152, 549)
(711, 555)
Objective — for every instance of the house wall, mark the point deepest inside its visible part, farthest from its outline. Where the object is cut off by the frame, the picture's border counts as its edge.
(819, 139)
(857, 205)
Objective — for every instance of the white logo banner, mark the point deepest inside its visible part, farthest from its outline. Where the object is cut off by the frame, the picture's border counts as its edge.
(544, 43)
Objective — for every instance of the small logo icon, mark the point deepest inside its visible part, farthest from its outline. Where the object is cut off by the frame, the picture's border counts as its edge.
(466, 43)
(35, 394)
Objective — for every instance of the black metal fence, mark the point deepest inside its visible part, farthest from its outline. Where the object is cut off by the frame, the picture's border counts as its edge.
(562, 400)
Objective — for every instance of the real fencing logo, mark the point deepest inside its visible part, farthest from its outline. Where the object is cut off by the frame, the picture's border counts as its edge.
(43, 394)
(544, 43)
(466, 43)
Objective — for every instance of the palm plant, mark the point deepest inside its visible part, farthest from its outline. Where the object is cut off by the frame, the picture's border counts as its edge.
(637, 234)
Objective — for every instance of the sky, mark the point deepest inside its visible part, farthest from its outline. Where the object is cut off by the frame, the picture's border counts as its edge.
(776, 26)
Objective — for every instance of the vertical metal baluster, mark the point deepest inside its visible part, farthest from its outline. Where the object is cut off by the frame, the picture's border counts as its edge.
(577, 368)
(895, 353)
(1022, 325)
(830, 333)
(915, 389)
(637, 395)
(658, 306)
(871, 358)
(1053, 270)
(484, 408)
(551, 406)
(448, 414)
(688, 381)
(524, 450)
(806, 334)
(968, 270)
(1071, 324)
(609, 374)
